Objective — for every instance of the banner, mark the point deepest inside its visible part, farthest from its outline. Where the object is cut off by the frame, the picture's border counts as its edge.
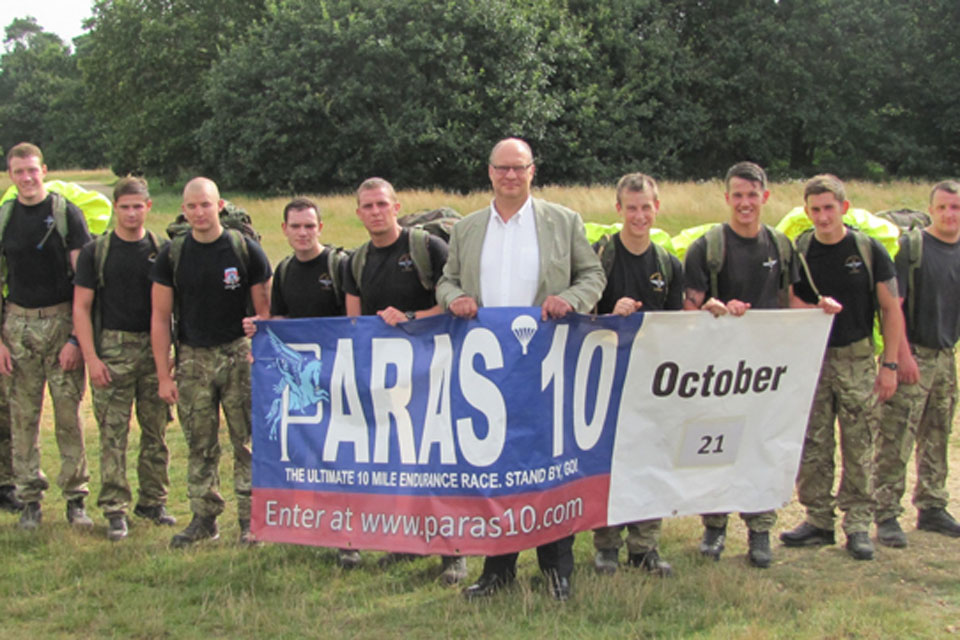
(501, 433)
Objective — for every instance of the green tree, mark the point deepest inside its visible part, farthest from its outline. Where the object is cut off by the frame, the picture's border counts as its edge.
(323, 94)
(627, 100)
(147, 59)
(42, 95)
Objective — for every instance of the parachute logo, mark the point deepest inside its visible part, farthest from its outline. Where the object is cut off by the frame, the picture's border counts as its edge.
(657, 281)
(524, 327)
(853, 264)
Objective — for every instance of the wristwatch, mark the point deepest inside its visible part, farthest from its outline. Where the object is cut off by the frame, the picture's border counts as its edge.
(889, 365)
(411, 315)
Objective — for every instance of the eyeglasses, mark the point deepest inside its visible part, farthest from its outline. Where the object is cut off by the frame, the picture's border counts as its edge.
(503, 170)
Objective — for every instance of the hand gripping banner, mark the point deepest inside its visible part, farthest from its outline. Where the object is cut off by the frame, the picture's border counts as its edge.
(501, 433)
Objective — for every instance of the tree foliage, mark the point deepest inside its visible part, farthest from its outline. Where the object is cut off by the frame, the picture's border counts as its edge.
(303, 95)
(323, 94)
(146, 61)
(42, 96)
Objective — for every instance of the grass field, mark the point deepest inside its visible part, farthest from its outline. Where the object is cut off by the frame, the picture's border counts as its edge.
(59, 583)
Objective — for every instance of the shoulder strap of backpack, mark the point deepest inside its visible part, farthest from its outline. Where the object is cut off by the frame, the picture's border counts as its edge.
(914, 247)
(154, 240)
(784, 251)
(803, 246)
(607, 252)
(5, 210)
(357, 262)
(865, 249)
(280, 273)
(239, 246)
(715, 254)
(59, 204)
(335, 257)
(176, 251)
(420, 254)
(101, 246)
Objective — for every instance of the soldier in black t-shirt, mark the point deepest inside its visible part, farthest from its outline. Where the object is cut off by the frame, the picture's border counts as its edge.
(112, 322)
(922, 409)
(208, 276)
(396, 280)
(304, 286)
(640, 277)
(848, 272)
(42, 235)
(757, 271)
(305, 283)
(389, 277)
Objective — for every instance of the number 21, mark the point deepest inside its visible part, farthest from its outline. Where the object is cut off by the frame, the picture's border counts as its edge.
(707, 442)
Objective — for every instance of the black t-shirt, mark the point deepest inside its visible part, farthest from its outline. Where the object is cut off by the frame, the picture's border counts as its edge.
(307, 290)
(124, 300)
(212, 288)
(839, 272)
(639, 277)
(390, 279)
(37, 274)
(937, 298)
(750, 271)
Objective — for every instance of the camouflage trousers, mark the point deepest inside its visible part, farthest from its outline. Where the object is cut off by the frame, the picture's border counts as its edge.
(133, 378)
(7, 478)
(760, 521)
(844, 394)
(35, 344)
(921, 413)
(209, 378)
(642, 536)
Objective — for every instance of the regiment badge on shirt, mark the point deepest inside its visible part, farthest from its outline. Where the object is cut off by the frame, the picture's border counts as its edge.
(657, 281)
(853, 264)
(231, 278)
(405, 262)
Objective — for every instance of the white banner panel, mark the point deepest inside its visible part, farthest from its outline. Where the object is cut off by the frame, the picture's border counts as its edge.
(714, 411)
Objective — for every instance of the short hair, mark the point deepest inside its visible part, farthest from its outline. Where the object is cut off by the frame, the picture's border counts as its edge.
(639, 183)
(948, 186)
(746, 171)
(131, 186)
(24, 150)
(376, 183)
(824, 183)
(523, 143)
(299, 204)
(201, 182)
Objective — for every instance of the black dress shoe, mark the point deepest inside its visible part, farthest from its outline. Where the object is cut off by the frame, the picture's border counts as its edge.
(561, 588)
(487, 585)
(807, 535)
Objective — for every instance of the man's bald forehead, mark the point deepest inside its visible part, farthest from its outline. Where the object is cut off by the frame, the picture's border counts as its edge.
(203, 185)
(516, 143)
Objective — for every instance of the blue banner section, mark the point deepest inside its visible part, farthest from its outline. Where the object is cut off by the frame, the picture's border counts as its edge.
(500, 405)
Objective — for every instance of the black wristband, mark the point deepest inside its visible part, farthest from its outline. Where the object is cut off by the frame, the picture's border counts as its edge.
(889, 365)
(73, 340)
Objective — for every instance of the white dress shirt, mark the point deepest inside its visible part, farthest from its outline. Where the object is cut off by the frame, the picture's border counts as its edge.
(510, 259)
